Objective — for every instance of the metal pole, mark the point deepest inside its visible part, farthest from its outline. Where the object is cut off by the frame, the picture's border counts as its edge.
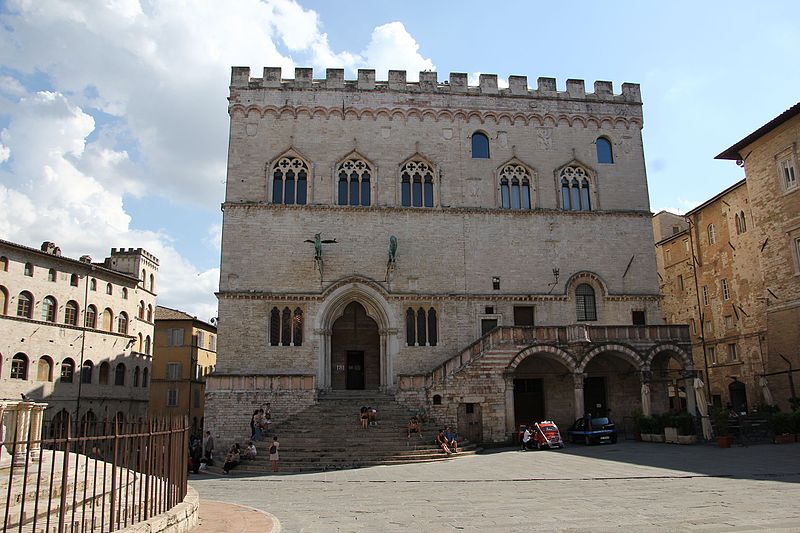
(83, 344)
(699, 308)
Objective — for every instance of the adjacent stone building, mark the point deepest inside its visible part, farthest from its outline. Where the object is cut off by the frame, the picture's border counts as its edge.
(710, 277)
(770, 158)
(482, 253)
(77, 334)
(184, 353)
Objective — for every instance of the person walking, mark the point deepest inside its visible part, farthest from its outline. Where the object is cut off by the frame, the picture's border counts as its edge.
(273, 453)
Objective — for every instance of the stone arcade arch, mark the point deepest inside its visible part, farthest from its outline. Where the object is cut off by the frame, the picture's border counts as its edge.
(670, 379)
(377, 308)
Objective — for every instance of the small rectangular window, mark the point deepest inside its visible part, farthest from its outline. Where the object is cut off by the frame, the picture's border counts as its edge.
(732, 352)
(728, 321)
(788, 174)
(711, 355)
(489, 309)
(693, 323)
(523, 315)
(172, 398)
(639, 318)
(487, 325)
(726, 294)
(667, 255)
(708, 327)
(175, 337)
(705, 294)
(173, 371)
(680, 282)
(685, 245)
(675, 229)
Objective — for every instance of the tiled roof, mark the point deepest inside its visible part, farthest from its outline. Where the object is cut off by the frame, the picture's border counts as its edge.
(733, 151)
(165, 313)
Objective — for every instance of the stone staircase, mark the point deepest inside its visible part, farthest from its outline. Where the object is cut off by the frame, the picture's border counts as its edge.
(328, 436)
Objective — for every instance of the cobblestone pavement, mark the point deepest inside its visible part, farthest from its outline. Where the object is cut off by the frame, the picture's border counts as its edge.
(623, 487)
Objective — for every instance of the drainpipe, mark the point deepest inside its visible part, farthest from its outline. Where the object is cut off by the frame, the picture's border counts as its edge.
(699, 308)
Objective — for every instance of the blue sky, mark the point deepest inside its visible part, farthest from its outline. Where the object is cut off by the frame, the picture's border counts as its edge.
(113, 118)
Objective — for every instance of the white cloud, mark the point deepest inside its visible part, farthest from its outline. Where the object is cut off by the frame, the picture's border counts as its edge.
(393, 48)
(214, 237)
(5, 153)
(474, 79)
(11, 86)
(686, 206)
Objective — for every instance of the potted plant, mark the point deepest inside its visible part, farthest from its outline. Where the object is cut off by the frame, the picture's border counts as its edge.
(659, 421)
(671, 429)
(782, 428)
(723, 431)
(637, 424)
(646, 428)
(685, 425)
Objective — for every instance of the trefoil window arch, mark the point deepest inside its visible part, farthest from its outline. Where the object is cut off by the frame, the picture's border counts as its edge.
(290, 181)
(354, 186)
(575, 189)
(416, 184)
(515, 187)
(286, 327)
(422, 328)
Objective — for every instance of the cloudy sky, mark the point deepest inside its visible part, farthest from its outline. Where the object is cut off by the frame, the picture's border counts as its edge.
(113, 113)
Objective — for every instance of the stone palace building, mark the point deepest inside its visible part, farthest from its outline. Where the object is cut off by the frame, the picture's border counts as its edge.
(77, 334)
(484, 253)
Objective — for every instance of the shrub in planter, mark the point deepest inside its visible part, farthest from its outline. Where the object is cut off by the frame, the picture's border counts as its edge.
(782, 427)
(685, 423)
(646, 424)
(720, 418)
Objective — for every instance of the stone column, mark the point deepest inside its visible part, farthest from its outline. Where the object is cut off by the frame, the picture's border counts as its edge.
(510, 422)
(392, 347)
(37, 414)
(5, 457)
(22, 421)
(324, 359)
(578, 377)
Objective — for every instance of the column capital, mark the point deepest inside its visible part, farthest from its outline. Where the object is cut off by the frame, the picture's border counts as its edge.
(578, 378)
(645, 376)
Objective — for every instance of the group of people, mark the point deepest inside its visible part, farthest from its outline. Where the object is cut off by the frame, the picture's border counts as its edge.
(201, 453)
(236, 455)
(368, 417)
(446, 439)
(260, 422)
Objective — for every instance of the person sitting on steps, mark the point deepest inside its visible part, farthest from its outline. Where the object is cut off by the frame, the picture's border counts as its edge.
(364, 417)
(232, 459)
(413, 427)
(441, 440)
(450, 435)
(373, 416)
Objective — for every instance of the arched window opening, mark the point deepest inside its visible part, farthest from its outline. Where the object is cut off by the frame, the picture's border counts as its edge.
(141, 309)
(119, 374)
(515, 187)
(52, 275)
(136, 373)
(741, 225)
(437, 399)
(44, 369)
(67, 370)
(480, 145)
(286, 327)
(354, 182)
(712, 234)
(585, 302)
(575, 189)
(28, 270)
(139, 343)
(297, 327)
(71, 313)
(144, 277)
(105, 369)
(147, 345)
(86, 372)
(73, 280)
(25, 304)
(88, 424)
(3, 300)
(149, 313)
(416, 184)
(604, 151)
(109, 288)
(421, 327)
(124, 293)
(49, 307)
(122, 323)
(19, 366)
(108, 320)
(90, 320)
(290, 181)
(145, 375)
(93, 285)
(153, 279)
(3, 264)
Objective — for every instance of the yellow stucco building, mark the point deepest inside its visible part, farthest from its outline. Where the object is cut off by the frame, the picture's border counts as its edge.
(184, 353)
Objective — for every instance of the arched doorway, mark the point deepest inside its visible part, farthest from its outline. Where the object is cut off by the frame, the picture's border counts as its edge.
(543, 390)
(669, 388)
(355, 350)
(738, 394)
(611, 384)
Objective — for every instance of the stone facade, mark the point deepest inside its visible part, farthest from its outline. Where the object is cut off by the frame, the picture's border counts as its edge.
(508, 207)
(184, 353)
(771, 160)
(709, 264)
(48, 336)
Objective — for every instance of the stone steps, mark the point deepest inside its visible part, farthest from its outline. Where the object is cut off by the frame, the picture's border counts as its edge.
(328, 436)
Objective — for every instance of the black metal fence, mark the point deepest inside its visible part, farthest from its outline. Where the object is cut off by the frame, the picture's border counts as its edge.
(103, 477)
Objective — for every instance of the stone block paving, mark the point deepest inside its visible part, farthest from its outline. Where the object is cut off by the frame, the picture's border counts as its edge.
(622, 487)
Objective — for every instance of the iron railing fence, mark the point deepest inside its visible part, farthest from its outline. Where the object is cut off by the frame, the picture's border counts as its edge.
(104, 477)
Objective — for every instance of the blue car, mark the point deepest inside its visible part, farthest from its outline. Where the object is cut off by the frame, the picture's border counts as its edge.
(600, 430)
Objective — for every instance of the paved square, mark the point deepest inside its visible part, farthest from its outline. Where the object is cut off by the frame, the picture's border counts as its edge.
(623, 487)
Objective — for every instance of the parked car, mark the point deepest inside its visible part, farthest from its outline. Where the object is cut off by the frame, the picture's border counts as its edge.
(598, 430)
(546, 435)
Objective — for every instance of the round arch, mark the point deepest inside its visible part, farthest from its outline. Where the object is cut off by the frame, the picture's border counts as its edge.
(377, 308)
(626, 352)
(684, 358)
(552, 352)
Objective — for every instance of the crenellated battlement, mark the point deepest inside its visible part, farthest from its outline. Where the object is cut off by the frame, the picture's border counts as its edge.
(429, 83)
